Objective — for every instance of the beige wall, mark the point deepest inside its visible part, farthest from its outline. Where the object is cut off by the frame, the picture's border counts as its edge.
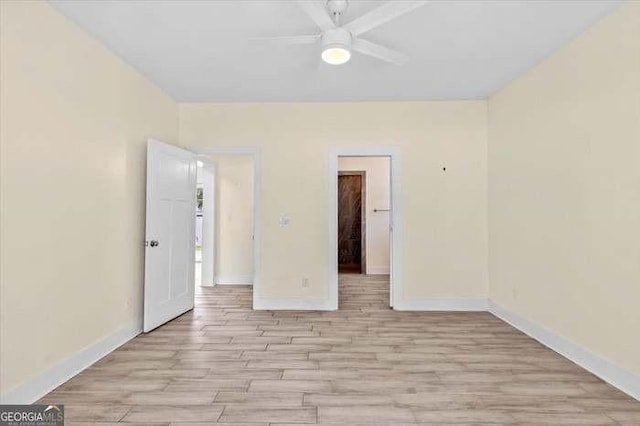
(75, 119)
(564, 191)
(378, 196)
(445, 241)
(234, 220)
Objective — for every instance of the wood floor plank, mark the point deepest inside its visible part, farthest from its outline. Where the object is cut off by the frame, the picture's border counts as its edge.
(236, 414)
(261, 399)
(96, 412)
(290, 386)
(384, 414)
(166, 397)
(173, 413)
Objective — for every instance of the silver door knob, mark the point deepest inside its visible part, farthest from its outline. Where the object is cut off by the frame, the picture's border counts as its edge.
(154, 243)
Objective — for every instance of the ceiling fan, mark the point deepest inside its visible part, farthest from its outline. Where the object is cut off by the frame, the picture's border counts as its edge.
(338, 40)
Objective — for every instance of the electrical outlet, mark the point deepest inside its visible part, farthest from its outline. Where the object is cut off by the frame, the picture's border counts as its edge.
(305, 282)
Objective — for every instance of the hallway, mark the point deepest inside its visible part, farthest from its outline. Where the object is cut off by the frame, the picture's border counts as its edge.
(363, 364)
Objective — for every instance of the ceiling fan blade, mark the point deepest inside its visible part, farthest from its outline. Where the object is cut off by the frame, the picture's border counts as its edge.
(382, 14)
(318, 12)
(379, 52)
(301, 39)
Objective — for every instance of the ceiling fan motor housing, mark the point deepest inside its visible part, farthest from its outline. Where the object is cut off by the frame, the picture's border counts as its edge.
(337, 37)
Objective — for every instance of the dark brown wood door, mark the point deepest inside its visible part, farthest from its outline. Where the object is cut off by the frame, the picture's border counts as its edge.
(350, 225)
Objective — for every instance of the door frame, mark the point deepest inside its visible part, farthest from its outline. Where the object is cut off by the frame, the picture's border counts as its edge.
(363, 214)
(207, 271)
(255, 153)
(395, 216)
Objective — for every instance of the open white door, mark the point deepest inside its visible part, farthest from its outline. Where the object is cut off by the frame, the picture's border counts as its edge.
(170, 233)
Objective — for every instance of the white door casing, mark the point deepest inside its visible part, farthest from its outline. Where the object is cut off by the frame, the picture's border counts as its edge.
(208, 224)
(170, 233)
(391, 239)
(395, 218)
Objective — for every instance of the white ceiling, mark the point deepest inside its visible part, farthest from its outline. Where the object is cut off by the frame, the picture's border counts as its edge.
(199, 50)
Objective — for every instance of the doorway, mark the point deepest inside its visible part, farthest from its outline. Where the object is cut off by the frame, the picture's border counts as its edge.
(205, 226)
(227, 235)
(352, 229)
(363, 203)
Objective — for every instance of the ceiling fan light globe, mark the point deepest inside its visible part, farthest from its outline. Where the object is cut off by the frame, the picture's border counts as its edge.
(336, 55)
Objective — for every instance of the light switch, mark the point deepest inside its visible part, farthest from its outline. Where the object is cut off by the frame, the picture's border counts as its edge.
(284, 220)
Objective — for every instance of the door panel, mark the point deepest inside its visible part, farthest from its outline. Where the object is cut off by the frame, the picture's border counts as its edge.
(350, 223)
(170, 233)
(155, 267)
(182, 265)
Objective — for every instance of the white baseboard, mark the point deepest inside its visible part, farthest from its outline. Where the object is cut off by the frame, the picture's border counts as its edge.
(293, 304)
(44, 383)
(378, 270)
(442, 304)
(622, 379)
(234, 280)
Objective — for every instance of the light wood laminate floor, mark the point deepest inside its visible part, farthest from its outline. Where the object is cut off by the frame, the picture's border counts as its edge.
(363, 364)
